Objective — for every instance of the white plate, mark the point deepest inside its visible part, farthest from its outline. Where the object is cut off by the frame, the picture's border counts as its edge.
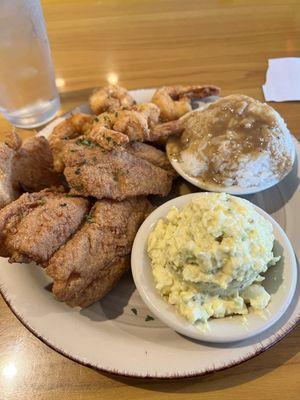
(108, 336)
(280, 282)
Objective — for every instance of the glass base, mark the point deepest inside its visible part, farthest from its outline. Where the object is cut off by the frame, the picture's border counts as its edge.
(34, 115)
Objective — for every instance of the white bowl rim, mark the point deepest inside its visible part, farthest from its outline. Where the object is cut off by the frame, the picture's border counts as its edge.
(177, 322)
(233, 190)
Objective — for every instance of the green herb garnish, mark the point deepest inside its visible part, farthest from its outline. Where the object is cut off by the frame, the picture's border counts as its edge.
(77, 171)
(149, 318)
(89, 219)
(72, 195)
(84, 142)
(134, 311)
(63, 204)
(77, 187)
(41, 202)
(117, 175)
(110, 139)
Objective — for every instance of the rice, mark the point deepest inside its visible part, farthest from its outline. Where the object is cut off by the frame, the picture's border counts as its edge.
(224, 153)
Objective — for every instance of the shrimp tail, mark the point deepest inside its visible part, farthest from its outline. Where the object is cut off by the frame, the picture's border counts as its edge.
(165, 130)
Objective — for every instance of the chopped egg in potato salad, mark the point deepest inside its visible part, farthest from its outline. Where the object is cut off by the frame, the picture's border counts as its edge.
(207, 258)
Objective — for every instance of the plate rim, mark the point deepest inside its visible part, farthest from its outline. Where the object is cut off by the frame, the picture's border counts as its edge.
(42, 339)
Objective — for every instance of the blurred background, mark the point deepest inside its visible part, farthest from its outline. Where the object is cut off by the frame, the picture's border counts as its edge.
(141, 44)
(151, 43)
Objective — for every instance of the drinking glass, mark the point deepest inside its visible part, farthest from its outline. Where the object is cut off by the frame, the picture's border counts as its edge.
(28, 95)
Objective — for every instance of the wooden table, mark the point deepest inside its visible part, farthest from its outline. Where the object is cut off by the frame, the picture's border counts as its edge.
(147, 44)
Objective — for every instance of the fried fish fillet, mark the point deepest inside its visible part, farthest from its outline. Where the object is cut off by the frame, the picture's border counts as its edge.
(92, 261)
(69, 128)
(117, 174)
(35, 225)
(99, 287)
(151, 154)
(27, 165)
(33, 165)
(7, 190)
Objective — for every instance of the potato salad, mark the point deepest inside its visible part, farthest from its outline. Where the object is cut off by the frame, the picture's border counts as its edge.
(208, 257)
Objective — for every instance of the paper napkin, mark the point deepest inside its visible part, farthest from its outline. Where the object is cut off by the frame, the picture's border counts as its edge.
(283, 79)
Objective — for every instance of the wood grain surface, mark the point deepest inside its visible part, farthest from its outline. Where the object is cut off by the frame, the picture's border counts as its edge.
(147, 44)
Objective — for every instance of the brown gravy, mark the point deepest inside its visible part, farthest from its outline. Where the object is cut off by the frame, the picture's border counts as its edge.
(246, 124)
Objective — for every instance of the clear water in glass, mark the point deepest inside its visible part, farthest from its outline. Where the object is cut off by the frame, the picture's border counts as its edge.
(28, 95)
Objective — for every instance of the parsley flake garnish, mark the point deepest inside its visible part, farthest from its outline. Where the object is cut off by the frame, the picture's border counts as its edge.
(77, 171)
(89, 219)
(134, 311)
(116, 177)
(72, 195)
(149, 318)
(41, 202)
(84, 142)
(77, 187)
(63, 204)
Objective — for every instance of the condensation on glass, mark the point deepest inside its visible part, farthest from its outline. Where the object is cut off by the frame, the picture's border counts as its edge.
(28, 95)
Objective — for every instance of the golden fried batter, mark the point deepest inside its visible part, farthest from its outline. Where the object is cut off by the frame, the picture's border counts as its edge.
(113, 175)
(175, 101)
(91, 262)
(110, 98)
(35, 225)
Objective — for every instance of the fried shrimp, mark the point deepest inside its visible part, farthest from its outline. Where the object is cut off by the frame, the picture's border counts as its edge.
(149, 111)
(70, 128)
(104, 133)
(131, 122)
(161, 132)
(175, 101)
(110, 98)
(117, 128)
